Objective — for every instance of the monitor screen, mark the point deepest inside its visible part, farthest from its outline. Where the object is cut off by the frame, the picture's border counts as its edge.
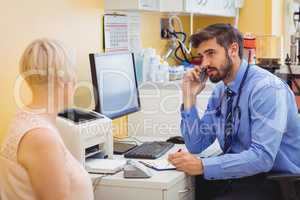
(114, 79)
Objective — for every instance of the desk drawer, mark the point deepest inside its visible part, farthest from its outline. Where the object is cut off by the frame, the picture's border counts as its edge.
(183, 190)
(127, 193)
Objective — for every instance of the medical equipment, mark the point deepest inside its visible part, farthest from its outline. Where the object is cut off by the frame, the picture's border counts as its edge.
(237, 112)
(176, 42)
(295, 40)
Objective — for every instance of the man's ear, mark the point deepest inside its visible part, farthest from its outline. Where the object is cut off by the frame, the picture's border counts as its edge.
(234, 49)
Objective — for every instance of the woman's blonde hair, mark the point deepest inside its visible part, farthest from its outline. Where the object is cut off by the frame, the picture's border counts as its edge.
(45, 60)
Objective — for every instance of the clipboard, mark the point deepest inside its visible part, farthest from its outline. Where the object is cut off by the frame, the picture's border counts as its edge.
(159, 165)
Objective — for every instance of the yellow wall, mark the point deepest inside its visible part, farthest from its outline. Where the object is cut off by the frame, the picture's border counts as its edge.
(256, 17)
(150, 31)
(75, 22)
(78, 24)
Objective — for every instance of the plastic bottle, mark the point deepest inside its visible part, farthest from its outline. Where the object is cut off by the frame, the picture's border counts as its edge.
(139, 58)
(149, 55)
(154, 67)
(163, 72)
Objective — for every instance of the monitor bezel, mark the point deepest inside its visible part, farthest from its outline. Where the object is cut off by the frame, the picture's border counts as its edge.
(96, 87)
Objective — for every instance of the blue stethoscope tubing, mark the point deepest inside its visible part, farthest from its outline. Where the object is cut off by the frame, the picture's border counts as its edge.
(237, 110)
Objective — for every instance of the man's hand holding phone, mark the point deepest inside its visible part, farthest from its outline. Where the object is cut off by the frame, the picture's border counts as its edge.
(193, 83)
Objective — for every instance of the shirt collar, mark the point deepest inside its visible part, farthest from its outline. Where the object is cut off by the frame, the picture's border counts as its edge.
(235, 84)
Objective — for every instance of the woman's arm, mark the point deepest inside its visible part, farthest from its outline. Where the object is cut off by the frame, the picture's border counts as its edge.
(42, 155)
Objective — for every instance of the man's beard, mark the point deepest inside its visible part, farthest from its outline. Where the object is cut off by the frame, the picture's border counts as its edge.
(225, 70)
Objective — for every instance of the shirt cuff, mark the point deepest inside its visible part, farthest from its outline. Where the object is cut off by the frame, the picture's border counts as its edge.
(190, 113)
(212, 168)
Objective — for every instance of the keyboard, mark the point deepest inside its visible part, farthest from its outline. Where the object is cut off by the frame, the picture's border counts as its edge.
(149, 150)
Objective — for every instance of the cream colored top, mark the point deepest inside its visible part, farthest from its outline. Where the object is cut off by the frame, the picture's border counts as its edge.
(14, 180)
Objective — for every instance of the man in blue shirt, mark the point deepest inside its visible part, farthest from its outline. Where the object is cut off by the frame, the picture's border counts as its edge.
(251, 113)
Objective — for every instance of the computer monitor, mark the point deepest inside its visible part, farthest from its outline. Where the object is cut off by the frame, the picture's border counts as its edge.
(115, 84)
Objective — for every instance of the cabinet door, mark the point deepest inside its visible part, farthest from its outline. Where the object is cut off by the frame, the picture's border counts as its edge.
(208, 7)
(183, 190)
(193, 6)
(203, 7)
(107, 192)
(171, 5)
(152, 5)
(225, 8)
(231, 11)
(121, 5)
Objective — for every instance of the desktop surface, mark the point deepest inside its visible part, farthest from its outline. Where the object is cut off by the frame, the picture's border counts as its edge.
(163, 185)
(160, 179)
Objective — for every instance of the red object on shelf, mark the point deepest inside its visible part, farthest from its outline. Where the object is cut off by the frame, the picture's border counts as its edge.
(250, 46)
(249, 43)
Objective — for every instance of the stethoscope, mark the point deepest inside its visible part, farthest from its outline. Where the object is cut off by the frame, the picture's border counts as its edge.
(237, 112)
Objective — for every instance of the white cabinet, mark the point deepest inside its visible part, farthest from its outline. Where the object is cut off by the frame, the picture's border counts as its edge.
(163, 185)
(146, 5)
(172, 5)
(200, 6)
(224, 8)
(183, 190)
(139, 189)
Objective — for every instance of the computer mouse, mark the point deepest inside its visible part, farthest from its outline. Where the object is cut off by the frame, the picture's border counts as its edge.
(176, 140)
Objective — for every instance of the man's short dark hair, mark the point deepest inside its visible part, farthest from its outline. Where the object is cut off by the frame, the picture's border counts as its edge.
(225, 35)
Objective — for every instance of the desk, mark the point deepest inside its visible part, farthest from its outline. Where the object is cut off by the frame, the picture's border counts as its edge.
(163, 185)
(285, 74)
(291, 79)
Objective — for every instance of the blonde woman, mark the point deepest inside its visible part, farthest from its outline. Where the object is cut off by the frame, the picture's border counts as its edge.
(34, 163)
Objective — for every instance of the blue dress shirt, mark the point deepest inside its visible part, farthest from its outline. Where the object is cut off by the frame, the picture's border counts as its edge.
(266, 137)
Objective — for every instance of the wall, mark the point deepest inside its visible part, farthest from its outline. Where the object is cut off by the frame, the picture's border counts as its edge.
(256, 17)
(78, 24)
(75, 22)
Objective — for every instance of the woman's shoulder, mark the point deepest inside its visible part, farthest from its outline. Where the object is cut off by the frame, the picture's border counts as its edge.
(22, 124)
(36, 145)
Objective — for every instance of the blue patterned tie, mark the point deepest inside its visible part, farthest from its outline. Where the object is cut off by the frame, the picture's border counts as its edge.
(229, 126)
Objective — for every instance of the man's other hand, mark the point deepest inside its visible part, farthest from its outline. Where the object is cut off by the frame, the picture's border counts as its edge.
(186, 162)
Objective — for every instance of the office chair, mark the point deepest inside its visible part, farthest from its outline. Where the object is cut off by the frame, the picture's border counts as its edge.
(289, 185)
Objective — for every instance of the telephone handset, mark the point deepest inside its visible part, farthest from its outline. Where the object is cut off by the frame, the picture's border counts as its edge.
(203, 75)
